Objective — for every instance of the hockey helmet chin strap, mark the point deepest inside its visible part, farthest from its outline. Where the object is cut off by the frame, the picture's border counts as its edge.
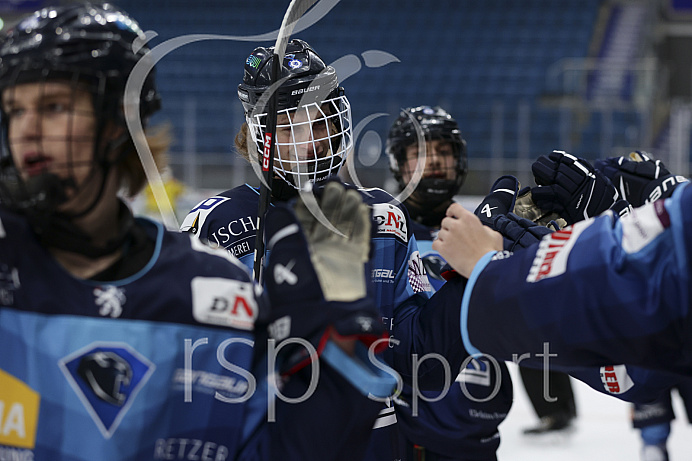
(58, 231)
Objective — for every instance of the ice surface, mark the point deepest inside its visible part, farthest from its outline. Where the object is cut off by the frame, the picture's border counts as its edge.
(603, 431)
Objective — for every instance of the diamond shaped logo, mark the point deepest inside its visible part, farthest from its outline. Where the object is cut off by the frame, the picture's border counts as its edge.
(107, 377)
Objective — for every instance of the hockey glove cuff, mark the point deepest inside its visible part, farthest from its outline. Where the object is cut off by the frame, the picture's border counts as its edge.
(499, 201)
(518, 232)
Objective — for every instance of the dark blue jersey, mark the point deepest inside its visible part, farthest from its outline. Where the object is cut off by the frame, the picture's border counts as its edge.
(463, 424)
(401, 285)
(418, 322)
(600, 292)
(159, 365)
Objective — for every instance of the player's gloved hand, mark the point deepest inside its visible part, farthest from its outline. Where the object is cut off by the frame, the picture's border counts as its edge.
(527, 209)
(499, 201)
(316, 278)
(571, 187)
(518, 232)
(639, 178)
(621, 208)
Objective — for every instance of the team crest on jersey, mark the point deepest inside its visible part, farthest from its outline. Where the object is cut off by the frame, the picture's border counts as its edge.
(390, 220)
(107, 378)
(226, 302)
(553, 252)
(110, 300)
(615, 379)
(195, 219)
(417, 275)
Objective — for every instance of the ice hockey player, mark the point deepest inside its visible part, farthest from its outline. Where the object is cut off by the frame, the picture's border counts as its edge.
(124, 341)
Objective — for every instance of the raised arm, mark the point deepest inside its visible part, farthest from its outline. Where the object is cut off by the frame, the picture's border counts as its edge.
(619, 292)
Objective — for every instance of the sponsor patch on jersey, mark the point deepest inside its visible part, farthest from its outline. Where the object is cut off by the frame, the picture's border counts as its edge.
(220, 301)
(615, 379)
(390, 220)
(19, 408)
(417, 275)
(211, 383)
(383, 275)
(107, 378)
(195, 218)
(234, 235)
(190, 449)
(643, 225)
(553, 252)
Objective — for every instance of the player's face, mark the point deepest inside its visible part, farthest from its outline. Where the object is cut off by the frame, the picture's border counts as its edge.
(303, 134)
(51, 129)
(440, 162)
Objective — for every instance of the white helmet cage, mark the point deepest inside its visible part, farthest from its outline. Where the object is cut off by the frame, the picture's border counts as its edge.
(314, 128)
(320, 137)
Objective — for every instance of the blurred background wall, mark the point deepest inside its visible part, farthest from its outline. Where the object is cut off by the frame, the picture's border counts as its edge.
(522, 77)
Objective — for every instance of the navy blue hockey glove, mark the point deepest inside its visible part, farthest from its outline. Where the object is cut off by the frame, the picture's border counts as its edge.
(518, 232)
(495, 211)
(499, 201)
(639, 178)
(571, 187)
(317, 279)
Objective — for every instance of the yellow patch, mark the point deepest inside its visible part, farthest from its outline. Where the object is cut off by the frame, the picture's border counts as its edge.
(19, 405)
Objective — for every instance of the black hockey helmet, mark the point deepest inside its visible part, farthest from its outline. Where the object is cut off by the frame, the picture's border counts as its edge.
(93, 48)
(302, 68)
(89, 45)
(306, 81)
(93, 41)
(435, 123)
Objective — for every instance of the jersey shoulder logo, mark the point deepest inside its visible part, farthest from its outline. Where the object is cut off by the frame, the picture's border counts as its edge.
(195, 218)
(417, 275)
(225, 302)
(390, 220)
(107, 377)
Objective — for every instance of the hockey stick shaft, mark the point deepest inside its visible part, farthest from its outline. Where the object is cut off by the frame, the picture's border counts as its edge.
(295, 10)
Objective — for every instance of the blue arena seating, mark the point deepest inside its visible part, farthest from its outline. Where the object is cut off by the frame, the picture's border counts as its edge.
(466, 55)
